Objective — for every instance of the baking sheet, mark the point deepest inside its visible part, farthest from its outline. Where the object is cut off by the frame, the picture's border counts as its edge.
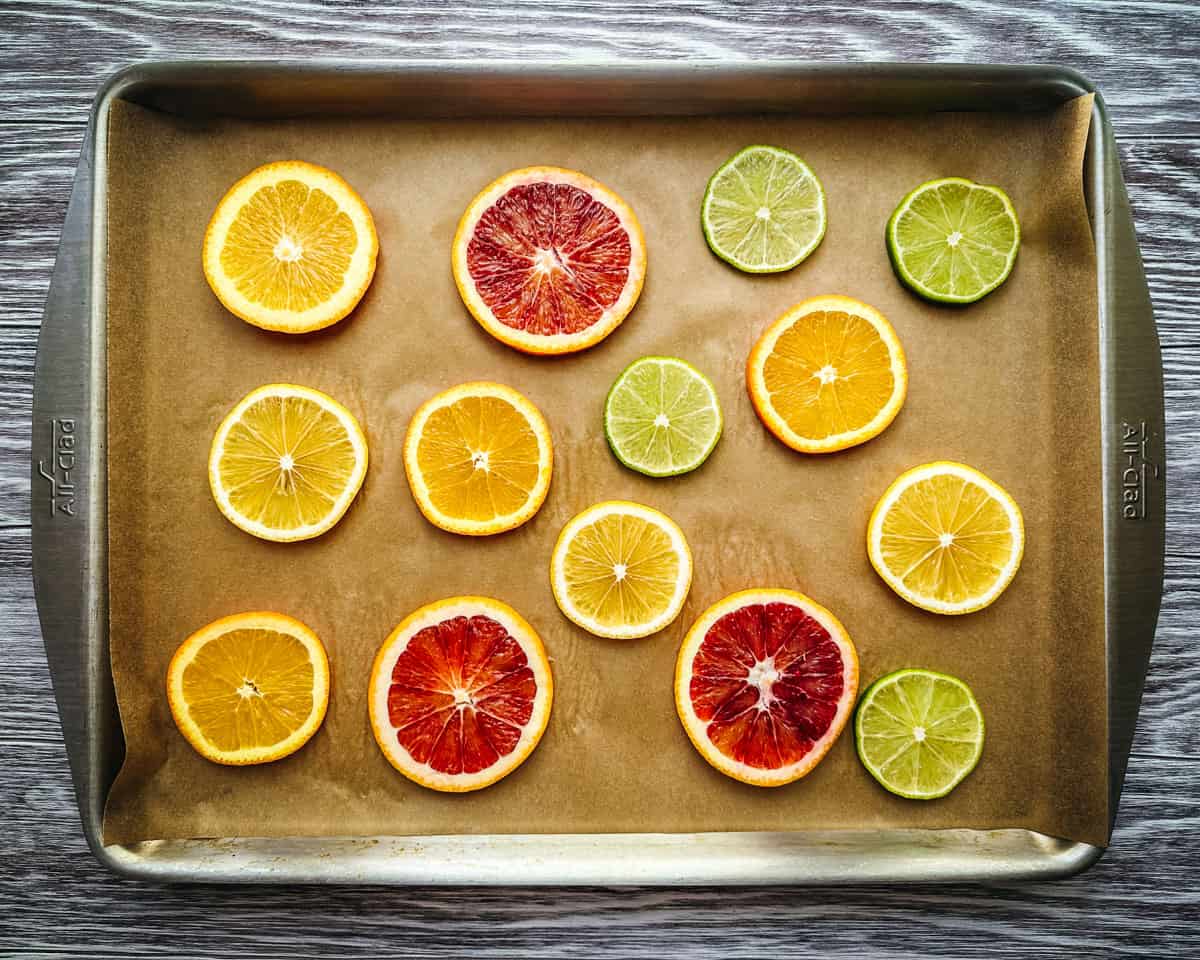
(1009, 385)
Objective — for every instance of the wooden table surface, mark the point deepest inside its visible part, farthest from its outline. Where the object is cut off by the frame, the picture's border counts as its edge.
(1144, 896)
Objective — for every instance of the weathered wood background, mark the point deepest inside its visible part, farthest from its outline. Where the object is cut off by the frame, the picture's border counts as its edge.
(1142, 899)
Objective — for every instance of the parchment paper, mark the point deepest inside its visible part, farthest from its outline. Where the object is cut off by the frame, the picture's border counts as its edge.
(1009, 385)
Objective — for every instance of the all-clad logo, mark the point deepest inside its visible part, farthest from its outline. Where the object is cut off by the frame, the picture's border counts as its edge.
(1138, 470)
(60, 468)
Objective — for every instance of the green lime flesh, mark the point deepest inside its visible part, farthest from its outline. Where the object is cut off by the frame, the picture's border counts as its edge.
(953, 240)
(918, 733)
(662, 417)
(763, 211)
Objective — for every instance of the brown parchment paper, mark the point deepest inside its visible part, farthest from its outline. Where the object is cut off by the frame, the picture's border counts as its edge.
(1009, 385)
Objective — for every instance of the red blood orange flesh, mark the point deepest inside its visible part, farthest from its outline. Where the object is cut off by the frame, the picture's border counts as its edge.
(549, 260)
(460, 694)
(764, 684)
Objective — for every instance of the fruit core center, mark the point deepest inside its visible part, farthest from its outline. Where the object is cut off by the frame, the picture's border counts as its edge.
(619, 571)
(462, 698)
(480, 460)
(827, 374)
(945, 539)
(954, 238)
(288, 250)
(662, 420)
(286, 462)
(918, 734)
(248, 689)
(546, 261)
(763, 676)
(763, 213)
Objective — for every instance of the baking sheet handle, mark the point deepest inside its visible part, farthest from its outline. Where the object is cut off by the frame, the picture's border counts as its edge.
(67, 505)
(1134, 449)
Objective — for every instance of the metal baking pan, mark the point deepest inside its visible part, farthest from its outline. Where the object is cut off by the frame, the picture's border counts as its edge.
(69, 468)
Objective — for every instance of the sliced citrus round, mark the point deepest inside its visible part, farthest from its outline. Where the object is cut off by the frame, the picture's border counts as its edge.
(549, 260)
(919, 733)
(662, 417)
(291, 247)
(249, 688)
(828, 374)
(621, 570)
(764, 684)
(763, 211)
(460, 694)
(953, 240)
(946, 538)
(478, 458)
(286, 462)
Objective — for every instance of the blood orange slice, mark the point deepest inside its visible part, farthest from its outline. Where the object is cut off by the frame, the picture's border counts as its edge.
(549, 260)
(764, 683)
(460, 694)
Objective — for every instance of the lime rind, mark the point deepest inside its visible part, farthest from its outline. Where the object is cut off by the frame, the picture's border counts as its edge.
(724, 237)
(904, 270)
(628, 414)
(888, 714)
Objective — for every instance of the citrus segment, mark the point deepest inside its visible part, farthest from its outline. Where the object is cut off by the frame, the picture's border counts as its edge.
(291, 247)
(549, 260)
(286, 462)
(919, 733)
(764, 684)
(478, 458)
(828, 374)
(621, 570)
(249, 688)
(662, 417)
(763, 210)
(953, 241)
(460, 694)
(946, 538)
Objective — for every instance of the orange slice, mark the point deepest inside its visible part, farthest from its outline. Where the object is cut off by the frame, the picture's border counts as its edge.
(764, 684)
(549, 260)
(460, 694)
(291, 247)
(827, 375)
(946, 538)
(478, 458)
(249, 688)
(286, 462)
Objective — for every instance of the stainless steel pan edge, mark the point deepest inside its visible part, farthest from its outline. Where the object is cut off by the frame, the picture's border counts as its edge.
(69, 497)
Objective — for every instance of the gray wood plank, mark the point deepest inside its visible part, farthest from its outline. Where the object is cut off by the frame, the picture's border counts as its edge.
(56, 900)
(1140, 52)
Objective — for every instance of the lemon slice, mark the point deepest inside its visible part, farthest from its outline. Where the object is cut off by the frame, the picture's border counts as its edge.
(291, 247)
(621, 570)
(287, 462)
(249, 688)
(946, 538)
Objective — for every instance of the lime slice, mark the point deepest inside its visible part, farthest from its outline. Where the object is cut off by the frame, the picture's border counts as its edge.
(953, 240)
(662, 417)
(763, 211)
(918, 733)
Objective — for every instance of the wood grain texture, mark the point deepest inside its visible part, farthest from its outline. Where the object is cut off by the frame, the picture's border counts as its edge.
(1142, 899)
(1137, 51)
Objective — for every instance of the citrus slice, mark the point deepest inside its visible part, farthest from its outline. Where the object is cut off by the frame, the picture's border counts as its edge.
(954, 241)
(918, 733)
(460, 694)
(621, 570)
(764, 684)
(946, 538)
(828, 374)
(478, 458)
(291, 247)
(286, 462)
(249, 688)
(763, 211)
(662, 417)
(549, 260)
